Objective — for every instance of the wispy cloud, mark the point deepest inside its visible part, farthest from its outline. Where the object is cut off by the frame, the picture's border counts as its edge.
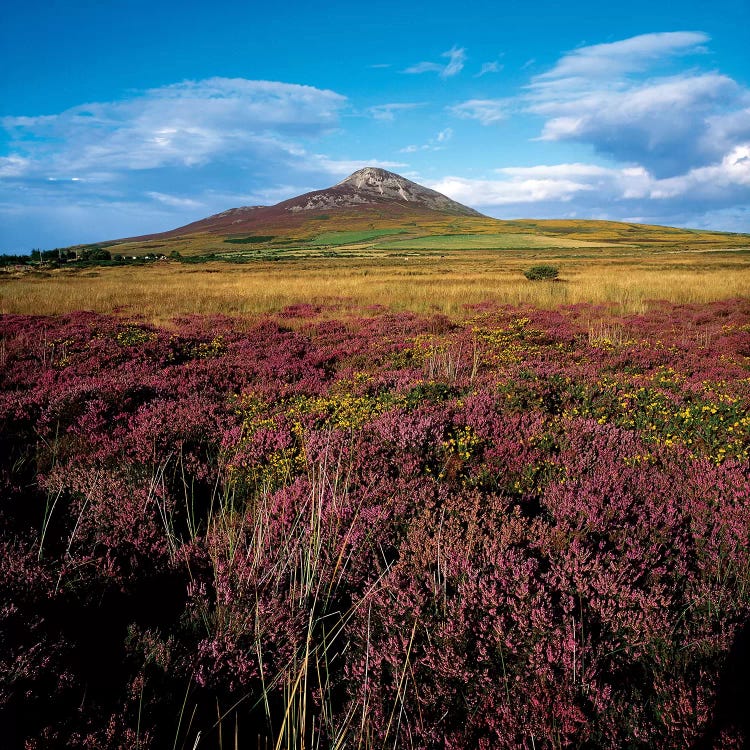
(489, 67)
(630, 55)
(13, 166)
(186, 124)
(389, 111)
(174, 200)
(486, 111)
(456, 59)
(344, 167)
(433, 144)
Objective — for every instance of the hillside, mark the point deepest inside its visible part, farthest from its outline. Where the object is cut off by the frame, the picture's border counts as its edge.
(369, 192)
(374, 210)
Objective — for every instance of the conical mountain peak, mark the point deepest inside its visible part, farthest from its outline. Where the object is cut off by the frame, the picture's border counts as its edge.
(371, 175)
(370, 191)
(375, 185)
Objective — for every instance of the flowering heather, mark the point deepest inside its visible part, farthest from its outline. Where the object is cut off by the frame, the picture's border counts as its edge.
(520, 529)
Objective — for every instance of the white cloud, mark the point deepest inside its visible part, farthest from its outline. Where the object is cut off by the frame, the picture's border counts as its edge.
(486, 111)
(388, 111)
(618, 98)
(616, 193)
(186, 124)
(13, 165)
(456, 59)
(716, 180)
(556, 170)
(509, 192)
(174, 200)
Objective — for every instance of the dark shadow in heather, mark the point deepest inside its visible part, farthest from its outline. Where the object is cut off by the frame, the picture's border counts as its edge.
(732, 712)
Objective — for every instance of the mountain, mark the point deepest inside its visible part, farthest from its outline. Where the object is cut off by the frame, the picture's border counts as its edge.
(368, 192)
(375, 210)
(377, 186)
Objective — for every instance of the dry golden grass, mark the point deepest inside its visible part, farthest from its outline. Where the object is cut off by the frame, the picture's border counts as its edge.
(420, 282)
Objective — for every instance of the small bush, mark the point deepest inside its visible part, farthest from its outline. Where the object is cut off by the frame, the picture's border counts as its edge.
(535, 273)
(94, 253)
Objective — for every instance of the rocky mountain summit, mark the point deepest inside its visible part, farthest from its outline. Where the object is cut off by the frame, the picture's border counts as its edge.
(379, 186)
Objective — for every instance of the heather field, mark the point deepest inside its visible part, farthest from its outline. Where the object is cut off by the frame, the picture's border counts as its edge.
(330, 528)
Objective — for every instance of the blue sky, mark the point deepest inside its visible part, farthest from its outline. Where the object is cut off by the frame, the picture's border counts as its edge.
(122, 118)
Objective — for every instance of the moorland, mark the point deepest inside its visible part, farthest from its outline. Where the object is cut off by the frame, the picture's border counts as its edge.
(347, 481)
(400, 268)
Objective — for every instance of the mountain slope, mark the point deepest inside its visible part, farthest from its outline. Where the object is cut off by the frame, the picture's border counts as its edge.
(372, 192)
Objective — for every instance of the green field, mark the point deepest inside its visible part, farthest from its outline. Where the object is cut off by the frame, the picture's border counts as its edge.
(348, 238)
(507, 240)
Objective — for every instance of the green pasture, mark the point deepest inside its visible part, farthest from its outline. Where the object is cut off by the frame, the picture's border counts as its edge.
(509, 240)
(348, 238)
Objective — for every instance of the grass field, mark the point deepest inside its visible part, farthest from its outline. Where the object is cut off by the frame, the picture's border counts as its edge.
(445, 281)
(347, 238)
(507, 240)
(300, 235)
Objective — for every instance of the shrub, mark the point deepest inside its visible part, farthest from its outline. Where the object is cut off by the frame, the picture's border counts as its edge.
(389, 530)
(537, 273)
(94, 253)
